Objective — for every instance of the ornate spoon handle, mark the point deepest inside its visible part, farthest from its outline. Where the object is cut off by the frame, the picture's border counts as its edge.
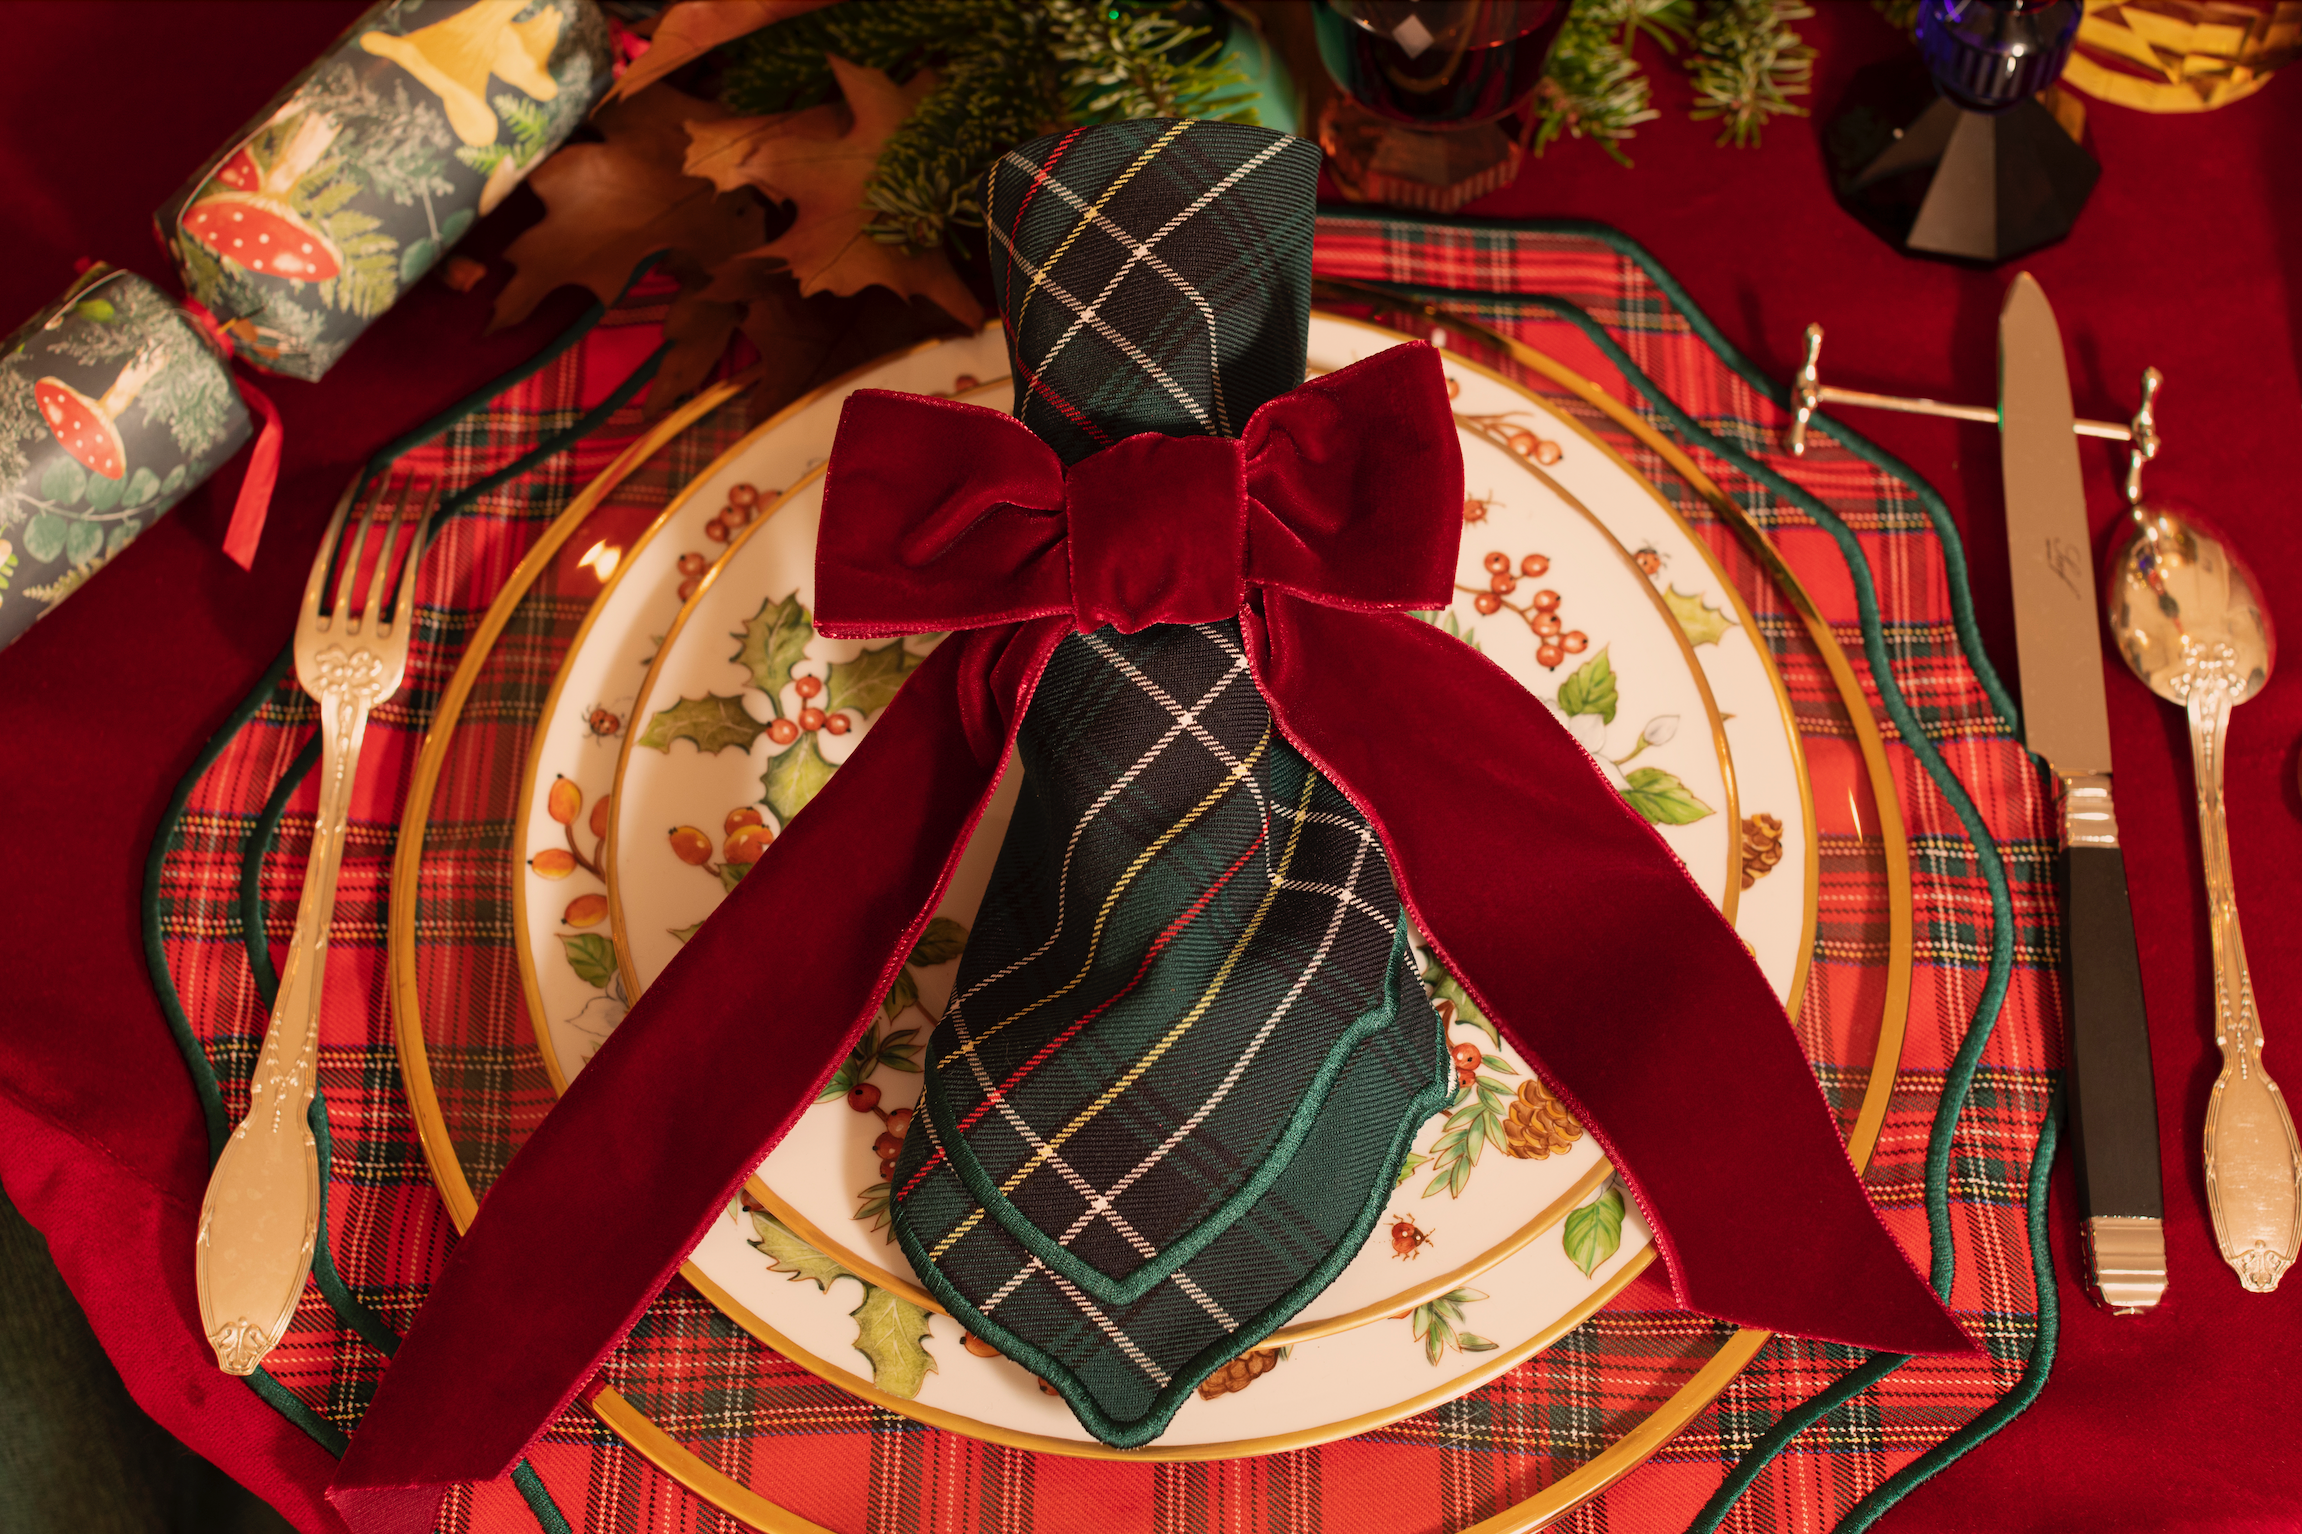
(2253, 1164)
(262, 1210)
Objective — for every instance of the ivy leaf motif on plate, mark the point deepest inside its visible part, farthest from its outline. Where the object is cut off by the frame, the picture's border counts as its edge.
(712, 722)
(773, 641)
(793, 777)
(1697, 619)
(1594, 1232)
(1438, 1325)
(892, 1332)
(591, 956)
(869, 682)
(1590, 689)
(1662, 798)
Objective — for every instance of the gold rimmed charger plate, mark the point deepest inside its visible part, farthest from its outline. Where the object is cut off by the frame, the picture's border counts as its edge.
(708, 778)
(1629, 1450)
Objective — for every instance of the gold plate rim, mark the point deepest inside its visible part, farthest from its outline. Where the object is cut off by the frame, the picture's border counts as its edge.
(1611, 1464)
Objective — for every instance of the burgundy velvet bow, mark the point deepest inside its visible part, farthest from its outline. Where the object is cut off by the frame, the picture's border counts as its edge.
(1346, 492)
(1342, 499)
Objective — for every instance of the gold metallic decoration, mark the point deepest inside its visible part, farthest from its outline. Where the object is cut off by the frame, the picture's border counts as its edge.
(2189, 619)
(2181, 55)
(261, 1214)
(1642, 1439)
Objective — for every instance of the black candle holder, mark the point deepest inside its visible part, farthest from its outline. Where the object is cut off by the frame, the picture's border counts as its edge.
(1952, 155)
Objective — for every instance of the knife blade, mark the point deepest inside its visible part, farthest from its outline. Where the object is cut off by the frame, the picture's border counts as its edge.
(2112, 1099)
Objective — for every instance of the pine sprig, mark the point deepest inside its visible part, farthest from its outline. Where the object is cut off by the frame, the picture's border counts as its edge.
(1592, 86)
(1005, 72)
(1748, 62)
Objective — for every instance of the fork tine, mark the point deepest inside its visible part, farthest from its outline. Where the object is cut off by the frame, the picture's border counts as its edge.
(348, 561)
(374, 614)
(413, 558)
(318, 581)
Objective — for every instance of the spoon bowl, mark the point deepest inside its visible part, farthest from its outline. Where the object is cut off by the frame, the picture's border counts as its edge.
(2188, 617)
(2182, 604)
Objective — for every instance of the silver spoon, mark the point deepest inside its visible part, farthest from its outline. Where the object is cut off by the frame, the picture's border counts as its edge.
(2189, 618)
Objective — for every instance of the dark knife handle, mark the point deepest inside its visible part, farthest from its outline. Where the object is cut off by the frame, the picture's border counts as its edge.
(2113, 1098)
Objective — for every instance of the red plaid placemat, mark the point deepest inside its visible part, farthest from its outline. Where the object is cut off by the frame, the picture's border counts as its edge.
(1956, 1158)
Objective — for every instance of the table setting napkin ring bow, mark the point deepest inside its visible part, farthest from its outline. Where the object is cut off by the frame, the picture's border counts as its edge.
(1185, 1051)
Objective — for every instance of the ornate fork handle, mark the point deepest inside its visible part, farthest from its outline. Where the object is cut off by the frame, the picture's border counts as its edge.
(2253, 1162)
(252, 1261)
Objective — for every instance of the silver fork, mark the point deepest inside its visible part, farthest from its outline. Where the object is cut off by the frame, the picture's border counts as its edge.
(262, 1212)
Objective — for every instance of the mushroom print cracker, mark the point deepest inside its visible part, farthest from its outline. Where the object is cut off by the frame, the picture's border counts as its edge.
(112, 405)
(362, 174)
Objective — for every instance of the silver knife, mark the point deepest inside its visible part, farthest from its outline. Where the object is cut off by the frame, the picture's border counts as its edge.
(2112, 1099)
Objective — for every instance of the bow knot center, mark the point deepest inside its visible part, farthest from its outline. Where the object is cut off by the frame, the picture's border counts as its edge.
(1158, 532)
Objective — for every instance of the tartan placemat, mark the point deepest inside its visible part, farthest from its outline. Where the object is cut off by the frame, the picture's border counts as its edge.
(1808, 1436)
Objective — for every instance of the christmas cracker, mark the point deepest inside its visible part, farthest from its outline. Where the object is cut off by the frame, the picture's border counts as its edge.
(369, 166)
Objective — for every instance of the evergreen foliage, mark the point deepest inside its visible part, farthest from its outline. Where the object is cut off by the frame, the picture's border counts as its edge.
(1006, 71)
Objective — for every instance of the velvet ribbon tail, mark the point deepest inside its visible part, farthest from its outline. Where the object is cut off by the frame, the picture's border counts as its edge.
(1607, 968)
(714, 1063)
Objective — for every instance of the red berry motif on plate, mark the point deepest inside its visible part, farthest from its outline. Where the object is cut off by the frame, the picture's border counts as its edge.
(693, 564)
(1407, 1238)
(836, 724)
(783, 732)
(746, 845)
(1467, 1060)
(812, 718)
(742, 495)
(690, 846)
(586, 911)
(863, 1097)
(965, 382)
(807, 686)
(715, 530)
(562, 800)
(553, 863)
(1554, 641)
(739, 817)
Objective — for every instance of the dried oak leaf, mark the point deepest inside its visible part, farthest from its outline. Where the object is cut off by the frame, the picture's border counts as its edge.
(610, 205)
(818, 160)
(693, 28)
(804, 343)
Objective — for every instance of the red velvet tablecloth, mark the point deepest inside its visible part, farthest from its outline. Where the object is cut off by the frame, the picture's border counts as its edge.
(2189, 258)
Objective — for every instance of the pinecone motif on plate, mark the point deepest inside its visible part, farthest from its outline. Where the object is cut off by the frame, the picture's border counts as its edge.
(1761, 847)
(1538, 1124)
(1239, 1373)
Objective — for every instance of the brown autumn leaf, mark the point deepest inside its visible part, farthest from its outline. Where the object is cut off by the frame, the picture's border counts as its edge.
(818, 160)
(693, 28)
(610, 205)
(806, 342)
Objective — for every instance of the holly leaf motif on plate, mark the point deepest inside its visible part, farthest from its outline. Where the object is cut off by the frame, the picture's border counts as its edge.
(1662, 798)
(1590, 689)
(1697, 619)
(786, 1253)
(1445, 987)
(591, 956)
(712, 722)
(794, 777)
(943, 941)
(892, 1332)
(774, 640)
(869, 682)
(1594, 1232)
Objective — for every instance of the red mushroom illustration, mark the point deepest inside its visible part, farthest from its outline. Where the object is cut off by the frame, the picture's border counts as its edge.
(88, 428)
(253, 226)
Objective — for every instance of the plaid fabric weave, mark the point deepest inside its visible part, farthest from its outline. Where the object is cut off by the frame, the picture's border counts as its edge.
(765, 1427)
(1186, 1050)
